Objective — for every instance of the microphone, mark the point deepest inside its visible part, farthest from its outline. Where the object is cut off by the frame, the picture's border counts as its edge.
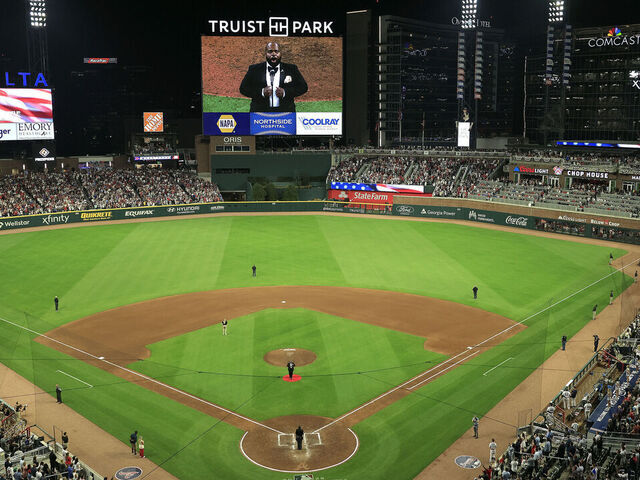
(272, 76)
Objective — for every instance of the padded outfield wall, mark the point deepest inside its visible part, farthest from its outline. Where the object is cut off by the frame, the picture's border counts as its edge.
(579, 224)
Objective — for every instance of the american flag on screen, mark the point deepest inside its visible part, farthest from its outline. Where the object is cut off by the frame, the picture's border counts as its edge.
(25, 105)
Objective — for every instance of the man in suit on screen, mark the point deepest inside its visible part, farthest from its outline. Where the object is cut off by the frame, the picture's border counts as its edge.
(273, 85)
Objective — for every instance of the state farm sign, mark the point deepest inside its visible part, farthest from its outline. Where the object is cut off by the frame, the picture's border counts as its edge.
(370, 197)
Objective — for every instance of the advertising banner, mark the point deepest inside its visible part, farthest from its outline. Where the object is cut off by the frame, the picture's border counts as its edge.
(378, 187)
(464, 134)
(283, 123)
(153, 121)
(226, 123)
(25, 105)
(329, 123)
(8, 131)
(34, 131)
(499, 218)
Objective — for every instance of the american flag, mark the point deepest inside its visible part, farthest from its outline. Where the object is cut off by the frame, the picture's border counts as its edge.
(25, 105)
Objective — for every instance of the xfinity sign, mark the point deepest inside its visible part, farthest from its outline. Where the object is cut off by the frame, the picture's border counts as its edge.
(273, 26)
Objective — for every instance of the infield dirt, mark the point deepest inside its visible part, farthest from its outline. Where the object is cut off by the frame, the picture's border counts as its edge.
(499, 423)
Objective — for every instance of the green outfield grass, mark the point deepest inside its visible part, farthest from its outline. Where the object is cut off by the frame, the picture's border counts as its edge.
(216, 103)
(95, 268)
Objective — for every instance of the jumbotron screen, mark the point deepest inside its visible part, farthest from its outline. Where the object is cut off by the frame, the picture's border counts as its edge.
(26, 114)
(271, 86)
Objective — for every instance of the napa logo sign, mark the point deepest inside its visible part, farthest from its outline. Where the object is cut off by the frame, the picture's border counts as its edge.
(225, 123)
(614, 38)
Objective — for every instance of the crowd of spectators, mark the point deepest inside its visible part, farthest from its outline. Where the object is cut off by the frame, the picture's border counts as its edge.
(27, 456)
(450, 176)
(32, 193)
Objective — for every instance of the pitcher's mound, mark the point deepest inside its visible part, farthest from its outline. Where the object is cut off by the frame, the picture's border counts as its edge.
(321, 448)
(299, 356)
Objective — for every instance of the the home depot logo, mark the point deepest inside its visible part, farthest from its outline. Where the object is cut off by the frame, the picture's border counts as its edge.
(153, 122)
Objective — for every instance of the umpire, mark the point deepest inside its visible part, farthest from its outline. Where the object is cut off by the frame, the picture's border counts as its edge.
(299, 436)
(290, 367)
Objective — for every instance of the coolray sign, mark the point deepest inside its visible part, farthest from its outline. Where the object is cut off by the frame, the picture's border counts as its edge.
(34, 131)
(587, 174)
(616, 40)
(91, 216)
(8, 131)
(55, 219)
(24, 79)
(283, 123)
(523, 169)
(517, 221)
(322, 123)
(14, 223)
(273, 27)
(138, 213)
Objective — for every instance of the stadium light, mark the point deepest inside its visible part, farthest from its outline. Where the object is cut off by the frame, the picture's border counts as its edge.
(556, 11)
(38, 13)
(469, 13)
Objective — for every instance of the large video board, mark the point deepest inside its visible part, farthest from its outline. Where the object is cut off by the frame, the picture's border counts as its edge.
(260, 85)
(26, 114)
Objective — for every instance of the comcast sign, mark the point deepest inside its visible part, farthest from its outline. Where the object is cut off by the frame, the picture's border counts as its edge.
(614, 38)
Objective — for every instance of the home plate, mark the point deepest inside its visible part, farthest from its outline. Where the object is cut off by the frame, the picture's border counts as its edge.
(284, 301)
(100, 358)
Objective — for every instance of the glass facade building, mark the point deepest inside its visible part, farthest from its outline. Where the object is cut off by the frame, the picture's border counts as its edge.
(601, 99)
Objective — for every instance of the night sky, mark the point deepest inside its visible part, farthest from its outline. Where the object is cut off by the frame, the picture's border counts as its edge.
(165, 35)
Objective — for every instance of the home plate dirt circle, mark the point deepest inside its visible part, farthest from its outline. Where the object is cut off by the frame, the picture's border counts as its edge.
(299, 356)
(322, 447)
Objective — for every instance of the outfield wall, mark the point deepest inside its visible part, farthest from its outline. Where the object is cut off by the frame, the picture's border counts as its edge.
(617, 229)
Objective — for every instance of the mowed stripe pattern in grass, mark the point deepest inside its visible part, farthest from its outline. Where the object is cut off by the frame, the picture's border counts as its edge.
(100, 267)
(228, 369)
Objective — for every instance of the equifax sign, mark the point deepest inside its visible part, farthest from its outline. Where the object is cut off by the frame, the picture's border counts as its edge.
(273, 26)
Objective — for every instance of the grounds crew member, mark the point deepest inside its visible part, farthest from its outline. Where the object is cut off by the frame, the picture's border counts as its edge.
(58, 394)
(299, 436)
(475, 292)
(55, 302)
(290, 367)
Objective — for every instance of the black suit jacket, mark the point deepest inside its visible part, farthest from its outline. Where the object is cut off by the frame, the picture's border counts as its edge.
(256, 79)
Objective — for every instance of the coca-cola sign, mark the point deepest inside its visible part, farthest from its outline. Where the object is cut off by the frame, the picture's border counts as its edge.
(517, 221)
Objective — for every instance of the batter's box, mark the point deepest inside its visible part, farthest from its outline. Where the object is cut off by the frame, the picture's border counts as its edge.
(312, 439)
(286, 440)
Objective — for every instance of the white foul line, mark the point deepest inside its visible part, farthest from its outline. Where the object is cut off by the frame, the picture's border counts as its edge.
(388, 392)
(152, 380)
(475, 346)
(485, 373)
(442, 371)
(81, 381)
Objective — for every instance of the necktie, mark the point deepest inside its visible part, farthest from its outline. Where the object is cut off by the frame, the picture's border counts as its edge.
(272, 75)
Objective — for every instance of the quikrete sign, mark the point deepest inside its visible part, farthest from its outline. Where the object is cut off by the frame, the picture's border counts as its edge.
(587, 174)
(24, 79)
(273, 26)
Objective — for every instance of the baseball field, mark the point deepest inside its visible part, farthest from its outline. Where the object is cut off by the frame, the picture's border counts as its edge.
(394, 354)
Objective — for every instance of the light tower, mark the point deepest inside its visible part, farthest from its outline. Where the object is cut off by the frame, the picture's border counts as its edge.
(467, 91)
(37, 46)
